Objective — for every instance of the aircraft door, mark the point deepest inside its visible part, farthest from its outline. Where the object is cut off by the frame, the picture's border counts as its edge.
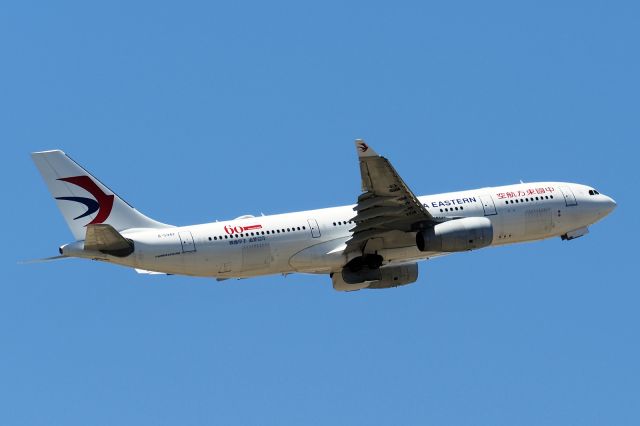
(186, 240)
(569, 198)
(315, 229)
(488, 205)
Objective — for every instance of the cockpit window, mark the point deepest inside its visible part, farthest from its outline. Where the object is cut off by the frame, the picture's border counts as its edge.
(593, 192)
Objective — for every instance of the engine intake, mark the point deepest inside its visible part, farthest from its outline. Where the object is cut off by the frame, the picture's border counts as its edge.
(464, 234)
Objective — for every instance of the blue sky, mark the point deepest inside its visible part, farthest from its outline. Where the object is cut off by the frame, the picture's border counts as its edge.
(197, 111)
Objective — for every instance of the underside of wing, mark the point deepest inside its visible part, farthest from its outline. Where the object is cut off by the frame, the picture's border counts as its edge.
(386, 204)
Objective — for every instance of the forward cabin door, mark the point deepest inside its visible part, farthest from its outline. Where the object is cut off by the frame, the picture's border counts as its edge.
(569, 198)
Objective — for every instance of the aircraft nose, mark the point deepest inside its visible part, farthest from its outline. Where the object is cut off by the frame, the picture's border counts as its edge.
(609, 204)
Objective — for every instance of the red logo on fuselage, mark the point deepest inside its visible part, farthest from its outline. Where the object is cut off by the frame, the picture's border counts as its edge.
(240, 229)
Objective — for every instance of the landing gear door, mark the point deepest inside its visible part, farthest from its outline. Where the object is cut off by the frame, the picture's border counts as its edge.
(186, 239)
(569, 198)
(315, 229)
(488, 205)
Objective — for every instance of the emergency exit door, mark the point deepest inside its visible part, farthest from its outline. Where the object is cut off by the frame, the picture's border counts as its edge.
(315, 229)
(488, 205)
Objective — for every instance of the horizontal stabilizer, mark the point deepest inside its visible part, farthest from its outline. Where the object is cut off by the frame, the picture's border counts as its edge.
(44, 260)
(105, 239)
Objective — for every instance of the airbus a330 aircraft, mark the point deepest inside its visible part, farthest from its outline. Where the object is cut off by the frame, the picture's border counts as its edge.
(373, 244)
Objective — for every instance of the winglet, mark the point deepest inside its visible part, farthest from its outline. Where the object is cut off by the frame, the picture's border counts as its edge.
(364, 150)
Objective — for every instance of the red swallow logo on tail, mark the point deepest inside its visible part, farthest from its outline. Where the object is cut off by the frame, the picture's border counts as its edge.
(102, 204)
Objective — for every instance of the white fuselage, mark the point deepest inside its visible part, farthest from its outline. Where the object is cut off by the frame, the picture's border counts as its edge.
(313, 241)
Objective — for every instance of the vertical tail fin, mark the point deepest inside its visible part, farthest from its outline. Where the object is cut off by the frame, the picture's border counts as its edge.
(83, 199)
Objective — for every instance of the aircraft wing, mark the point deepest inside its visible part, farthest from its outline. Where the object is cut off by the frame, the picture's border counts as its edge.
(386, 204)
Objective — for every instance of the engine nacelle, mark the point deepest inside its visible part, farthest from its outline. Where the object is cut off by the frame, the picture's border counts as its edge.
(395, 276)
(375, 278)
(469, 233)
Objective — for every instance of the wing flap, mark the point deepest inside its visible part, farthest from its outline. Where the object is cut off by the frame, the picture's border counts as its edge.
(145, 272)
(366, 201)
(377, 211)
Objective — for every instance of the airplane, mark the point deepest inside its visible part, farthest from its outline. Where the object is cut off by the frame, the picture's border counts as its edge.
(373, 244)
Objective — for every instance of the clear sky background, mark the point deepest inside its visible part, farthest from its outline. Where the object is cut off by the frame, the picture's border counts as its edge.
(197, 111)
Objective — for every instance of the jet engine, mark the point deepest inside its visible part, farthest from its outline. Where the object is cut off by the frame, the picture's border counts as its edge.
(375, 278)
(464, 234)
